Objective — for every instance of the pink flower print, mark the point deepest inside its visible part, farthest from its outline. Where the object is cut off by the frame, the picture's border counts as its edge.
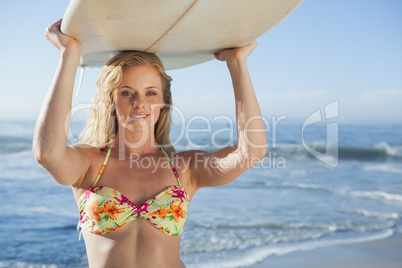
(179, 194)
(97, 189)
(143, 209)
(82, 220)
(87, 194)
(123, 200)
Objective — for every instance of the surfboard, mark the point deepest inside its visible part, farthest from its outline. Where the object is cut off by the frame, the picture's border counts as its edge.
(181, 32)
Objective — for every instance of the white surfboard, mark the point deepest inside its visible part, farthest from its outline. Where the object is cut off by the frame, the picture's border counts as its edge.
(181, 32)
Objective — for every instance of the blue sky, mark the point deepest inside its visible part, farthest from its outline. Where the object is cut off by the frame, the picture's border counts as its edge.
(348, 51)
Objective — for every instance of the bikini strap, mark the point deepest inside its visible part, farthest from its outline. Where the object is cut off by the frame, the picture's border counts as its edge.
(104, 163)
(171, 165)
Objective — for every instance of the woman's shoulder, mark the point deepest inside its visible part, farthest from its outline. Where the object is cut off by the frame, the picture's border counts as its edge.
(190, 154)
(184, 162)
(186, 159)
(95, 156)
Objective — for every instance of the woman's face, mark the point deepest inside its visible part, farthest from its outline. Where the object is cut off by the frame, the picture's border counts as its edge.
(139, 98)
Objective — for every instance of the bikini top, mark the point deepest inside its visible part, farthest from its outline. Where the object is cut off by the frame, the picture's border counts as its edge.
(104, 210)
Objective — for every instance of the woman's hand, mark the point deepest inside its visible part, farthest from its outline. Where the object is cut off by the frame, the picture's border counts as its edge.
(60, 40)
(239, 53)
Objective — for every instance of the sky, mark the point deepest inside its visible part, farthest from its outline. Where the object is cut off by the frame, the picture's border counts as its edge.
(347, 52)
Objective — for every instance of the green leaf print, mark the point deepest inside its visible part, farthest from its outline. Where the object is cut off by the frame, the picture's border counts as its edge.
(114, 225)
(156, 203)
(104, 219)
(170, 217)
(128, 218)
(176, 231)
(167, 202)
(103, 200)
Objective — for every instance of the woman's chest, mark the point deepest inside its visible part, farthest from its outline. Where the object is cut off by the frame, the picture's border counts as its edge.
(137, 181)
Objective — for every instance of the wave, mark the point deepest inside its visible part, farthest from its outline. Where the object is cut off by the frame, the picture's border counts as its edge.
(377, 214)
(271, 226)
(81, 263)
(379, 152)
(332, 226)
(380, 195)
(253, 256)
(26, 265)
(218, 239)
(10, 144)
(383, 168)
(374, 195)
(382, 151)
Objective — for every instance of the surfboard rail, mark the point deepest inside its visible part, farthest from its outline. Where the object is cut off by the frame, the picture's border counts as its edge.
(181, 32)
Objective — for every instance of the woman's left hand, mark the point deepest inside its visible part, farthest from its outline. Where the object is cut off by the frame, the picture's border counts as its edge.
(236, 53)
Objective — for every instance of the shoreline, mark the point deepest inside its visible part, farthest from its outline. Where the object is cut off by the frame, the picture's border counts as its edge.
(371, 254)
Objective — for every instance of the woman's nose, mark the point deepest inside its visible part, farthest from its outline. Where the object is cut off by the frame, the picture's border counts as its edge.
(138, 101)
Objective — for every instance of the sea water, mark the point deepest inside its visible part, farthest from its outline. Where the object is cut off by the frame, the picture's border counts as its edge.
(290, 201)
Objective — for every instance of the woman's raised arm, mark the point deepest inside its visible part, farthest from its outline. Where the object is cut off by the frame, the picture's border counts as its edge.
(225, 165)
(66, 165)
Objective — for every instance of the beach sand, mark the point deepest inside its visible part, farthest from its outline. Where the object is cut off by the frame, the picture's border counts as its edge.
(385, 253)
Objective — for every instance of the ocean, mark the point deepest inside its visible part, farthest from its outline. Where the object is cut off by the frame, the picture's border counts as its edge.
(293, 200)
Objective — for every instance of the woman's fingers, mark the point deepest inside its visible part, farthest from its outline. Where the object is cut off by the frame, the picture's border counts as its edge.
(58, 39)
(218, 56)
(239, 52)
(250, 47)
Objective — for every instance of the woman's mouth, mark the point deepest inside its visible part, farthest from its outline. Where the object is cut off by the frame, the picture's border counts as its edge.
(139, 117)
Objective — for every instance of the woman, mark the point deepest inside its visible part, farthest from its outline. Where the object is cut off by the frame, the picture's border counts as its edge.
(132, 124)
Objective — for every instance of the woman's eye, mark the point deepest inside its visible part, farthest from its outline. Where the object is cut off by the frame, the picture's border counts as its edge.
(151, 93)
(126, 93)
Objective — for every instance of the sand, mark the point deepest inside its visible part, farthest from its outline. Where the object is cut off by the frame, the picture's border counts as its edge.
(385, 253)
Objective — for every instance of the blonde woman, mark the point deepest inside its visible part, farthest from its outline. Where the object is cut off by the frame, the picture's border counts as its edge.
(133, 215)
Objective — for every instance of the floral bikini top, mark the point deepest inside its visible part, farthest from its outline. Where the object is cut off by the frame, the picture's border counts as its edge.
(104, 210)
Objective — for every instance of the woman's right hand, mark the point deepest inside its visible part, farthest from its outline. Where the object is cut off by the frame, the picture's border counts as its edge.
(60, 40)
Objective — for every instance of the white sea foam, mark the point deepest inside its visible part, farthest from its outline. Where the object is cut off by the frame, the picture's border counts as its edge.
(383, 168)
(253, 256)
(394, 151)
(374, 195)
(204, 240)
(377, 214)
(26, 265)
(294, 185)
(222, 239)
(354, 193)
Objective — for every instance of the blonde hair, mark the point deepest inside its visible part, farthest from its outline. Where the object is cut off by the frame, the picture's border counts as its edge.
(102, 121)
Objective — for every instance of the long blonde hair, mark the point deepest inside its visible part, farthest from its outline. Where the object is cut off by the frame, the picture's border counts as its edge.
(102, 121)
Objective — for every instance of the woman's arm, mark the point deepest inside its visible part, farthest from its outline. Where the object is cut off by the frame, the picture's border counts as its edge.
(66, 165)
(225, 165)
